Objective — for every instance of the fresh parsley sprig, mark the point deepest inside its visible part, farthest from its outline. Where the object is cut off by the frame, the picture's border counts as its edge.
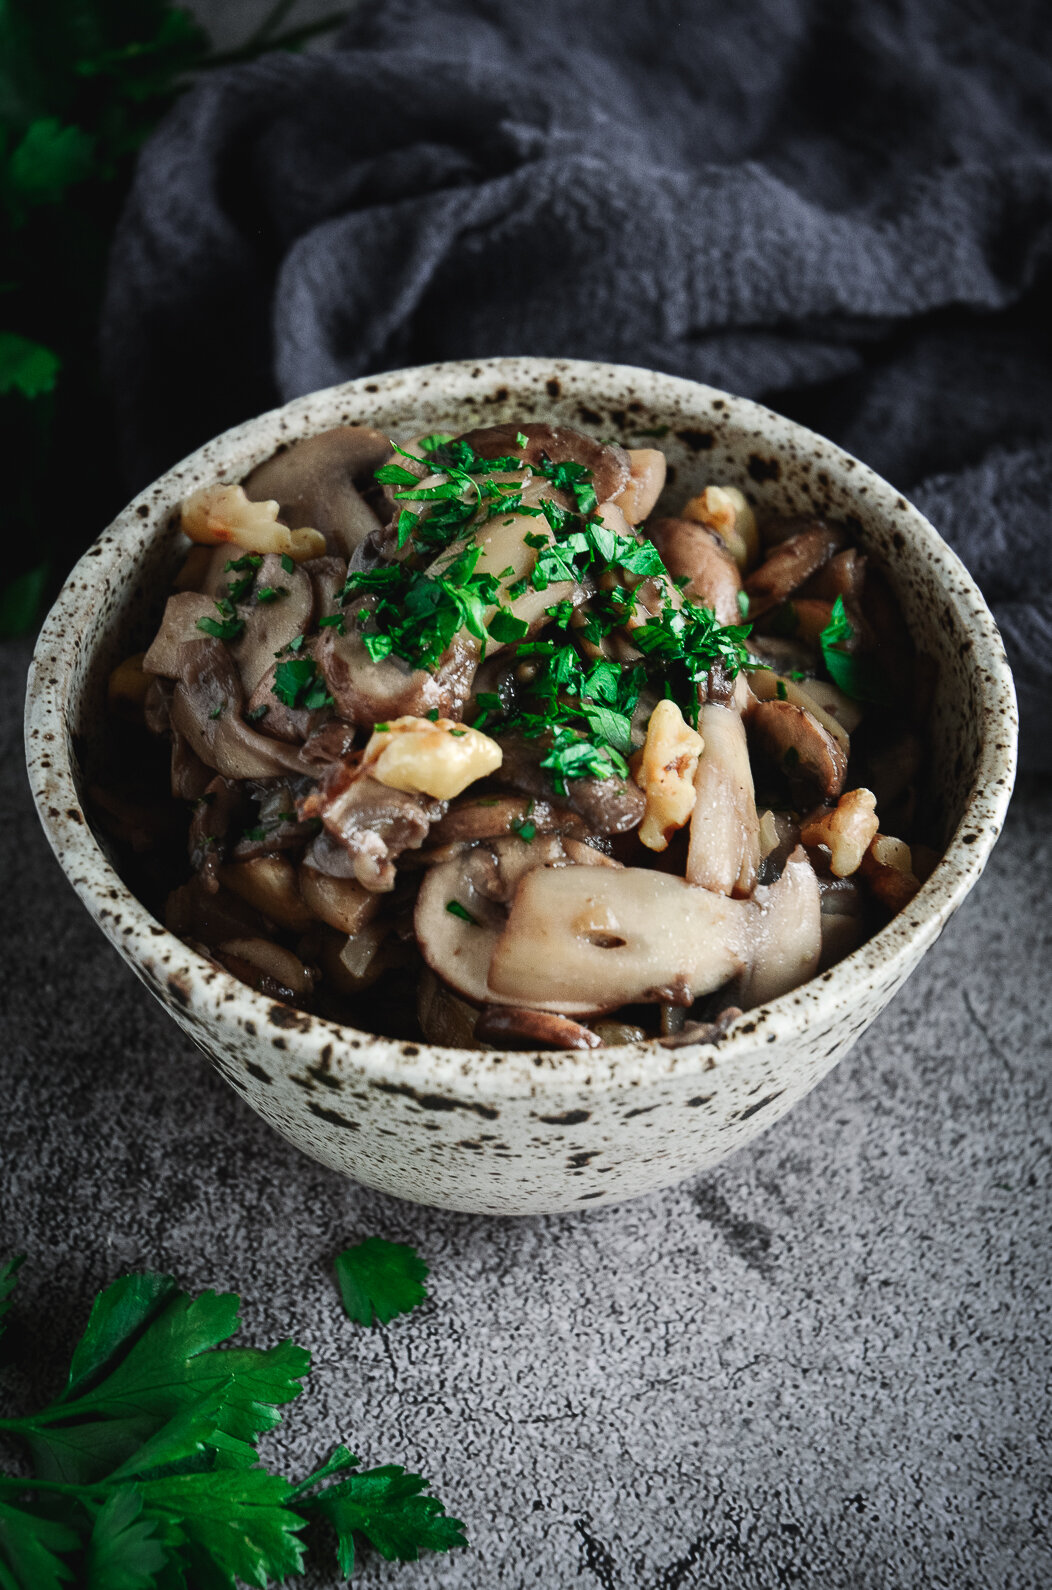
(146, 1473)
(857, 676)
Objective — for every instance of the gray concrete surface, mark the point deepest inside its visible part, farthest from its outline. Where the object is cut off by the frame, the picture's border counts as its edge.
(825, 1364)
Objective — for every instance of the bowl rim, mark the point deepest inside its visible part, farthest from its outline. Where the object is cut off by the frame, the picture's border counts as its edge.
(199, 985)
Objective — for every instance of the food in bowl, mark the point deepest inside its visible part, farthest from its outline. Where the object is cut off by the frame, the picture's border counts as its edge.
(464, 741)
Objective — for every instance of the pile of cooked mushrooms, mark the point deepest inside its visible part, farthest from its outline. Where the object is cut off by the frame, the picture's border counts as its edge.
(456, 714)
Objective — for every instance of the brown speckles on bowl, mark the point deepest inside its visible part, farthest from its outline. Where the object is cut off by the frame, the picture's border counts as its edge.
(564, 1130)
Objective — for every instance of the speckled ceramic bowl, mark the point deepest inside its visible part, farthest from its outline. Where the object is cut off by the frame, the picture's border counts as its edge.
(516, 1133)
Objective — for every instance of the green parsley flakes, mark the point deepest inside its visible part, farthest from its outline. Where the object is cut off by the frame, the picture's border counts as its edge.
(297, 683)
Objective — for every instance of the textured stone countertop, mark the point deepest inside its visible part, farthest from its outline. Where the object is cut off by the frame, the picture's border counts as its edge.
(825, 1363)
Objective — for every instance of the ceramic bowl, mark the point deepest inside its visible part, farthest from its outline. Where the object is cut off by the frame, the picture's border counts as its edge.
(514, 1132)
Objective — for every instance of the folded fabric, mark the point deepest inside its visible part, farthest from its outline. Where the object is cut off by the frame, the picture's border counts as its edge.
(845, 210)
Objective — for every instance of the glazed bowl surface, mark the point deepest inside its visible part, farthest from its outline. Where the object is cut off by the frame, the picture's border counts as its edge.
(512, 1132)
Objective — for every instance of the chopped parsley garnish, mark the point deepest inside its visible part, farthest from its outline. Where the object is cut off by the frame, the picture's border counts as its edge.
(256, 713)
(455, 908)
(743, 603)
(858, 677)
(297, 683)
(271, 593)
(432, 714)
(332, 621)
(782, 692)
(217, 712)
(222, 628)
(417, 615)
(287, 563)
(524, 827)
(582, 712)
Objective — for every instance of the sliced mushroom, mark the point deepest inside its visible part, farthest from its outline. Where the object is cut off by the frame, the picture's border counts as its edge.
(313, 482)
(372, 824)
(491, 816)
(505, 1027)
(608, 805)
(692, 552)
(210, 916)
(728, 512)
(614, 937)
(267, 967)
(179, 624)
(609, 464)
(724, 849)
(648, 466)
(218, 808)
(206, 709)
(270, 626)
(844, 575)
(787, 937)
(367, 692)
(815, 697)
(460, 912)
(789, 565)
(791, 742)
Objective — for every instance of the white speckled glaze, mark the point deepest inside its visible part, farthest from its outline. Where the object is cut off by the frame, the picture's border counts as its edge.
(514, 1132)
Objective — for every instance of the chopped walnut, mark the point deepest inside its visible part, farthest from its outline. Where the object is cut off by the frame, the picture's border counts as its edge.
(439, 758)
(846, 831)
(220, 514)
(664, 770)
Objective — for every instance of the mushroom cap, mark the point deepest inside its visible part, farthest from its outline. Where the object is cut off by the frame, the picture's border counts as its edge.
(792, 741)
(313, 483)
(616, 936)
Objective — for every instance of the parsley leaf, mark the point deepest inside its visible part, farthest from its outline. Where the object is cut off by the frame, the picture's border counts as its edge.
(385, 1505)
(381, 1279)
(187, 1503)
(857, 676)
(28, 1550)
(26, 367)
(297, 683)
(125, 1551)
